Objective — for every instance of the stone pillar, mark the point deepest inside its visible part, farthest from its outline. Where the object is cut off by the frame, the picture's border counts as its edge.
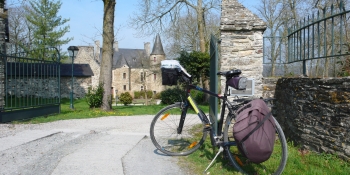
(242, 42)
(3, 15)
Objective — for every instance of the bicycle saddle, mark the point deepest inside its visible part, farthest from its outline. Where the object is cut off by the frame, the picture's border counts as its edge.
(230, 73)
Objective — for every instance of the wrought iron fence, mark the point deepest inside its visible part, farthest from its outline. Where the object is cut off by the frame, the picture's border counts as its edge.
(323, 38)
(31, 84)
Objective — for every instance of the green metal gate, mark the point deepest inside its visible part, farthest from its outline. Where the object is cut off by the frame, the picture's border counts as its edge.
(31, 84)
(214, 59)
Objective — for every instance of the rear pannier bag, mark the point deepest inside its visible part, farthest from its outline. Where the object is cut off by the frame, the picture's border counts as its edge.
(254, 131)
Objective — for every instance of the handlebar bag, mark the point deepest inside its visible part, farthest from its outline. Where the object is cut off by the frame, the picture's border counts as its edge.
(254, 131)
(169, 76)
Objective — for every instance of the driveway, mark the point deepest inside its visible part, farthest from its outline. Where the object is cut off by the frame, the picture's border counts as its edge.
(106, 145)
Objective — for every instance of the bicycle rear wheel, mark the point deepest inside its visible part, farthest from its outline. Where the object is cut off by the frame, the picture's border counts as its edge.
(274, 165)
(164, 133)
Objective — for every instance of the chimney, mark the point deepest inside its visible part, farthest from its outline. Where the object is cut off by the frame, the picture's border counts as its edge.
(147, 48)
(115, 46)
(97, 50)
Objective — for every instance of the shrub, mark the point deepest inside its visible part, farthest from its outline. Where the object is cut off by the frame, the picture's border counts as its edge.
(94, 96)
(198, 96)
(141, 94)
(125, 98)
(137, 94)
(157, 96)
(171, 96)
(149, 94)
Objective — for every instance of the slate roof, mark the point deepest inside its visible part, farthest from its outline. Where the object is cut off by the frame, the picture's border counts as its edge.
(79, 70)
(158, 47)
(133, 58)
(47, 69)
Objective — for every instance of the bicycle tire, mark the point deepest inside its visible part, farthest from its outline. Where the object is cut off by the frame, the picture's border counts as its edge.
(274, 165)
(163, 131)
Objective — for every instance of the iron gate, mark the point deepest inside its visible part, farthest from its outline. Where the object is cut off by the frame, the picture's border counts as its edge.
(214, 59)
(30, 86)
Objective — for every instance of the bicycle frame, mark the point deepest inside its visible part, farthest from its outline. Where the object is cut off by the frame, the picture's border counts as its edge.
(200, 113)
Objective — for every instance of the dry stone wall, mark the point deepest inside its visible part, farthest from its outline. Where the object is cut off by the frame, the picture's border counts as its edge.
(80, 86)
(242, 42)
(48, 88)
(315, 113)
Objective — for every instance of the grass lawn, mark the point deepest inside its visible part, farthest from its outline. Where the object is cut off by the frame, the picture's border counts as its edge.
(299, 162)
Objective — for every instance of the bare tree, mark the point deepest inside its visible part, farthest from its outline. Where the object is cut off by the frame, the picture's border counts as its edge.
(272, 11)
(21, 31)
(107, 53)
(155, 16)
(183, 34)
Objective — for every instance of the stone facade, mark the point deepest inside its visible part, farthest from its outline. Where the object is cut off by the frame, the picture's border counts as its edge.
(315, 113)
(129, 80)
(242, 42)
(128, 66)
(90, 55)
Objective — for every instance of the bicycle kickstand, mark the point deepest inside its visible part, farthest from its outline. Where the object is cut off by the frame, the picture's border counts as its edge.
(220, 151)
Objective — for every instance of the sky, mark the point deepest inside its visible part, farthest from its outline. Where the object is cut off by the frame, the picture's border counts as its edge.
(86, 19)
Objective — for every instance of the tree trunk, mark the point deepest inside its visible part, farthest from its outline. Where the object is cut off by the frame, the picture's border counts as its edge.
(201, 25)
(107, 53)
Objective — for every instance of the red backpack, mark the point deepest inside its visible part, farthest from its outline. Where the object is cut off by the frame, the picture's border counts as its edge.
(254, 131)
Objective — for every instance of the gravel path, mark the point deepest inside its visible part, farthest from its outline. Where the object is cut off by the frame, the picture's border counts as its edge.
(106, 145)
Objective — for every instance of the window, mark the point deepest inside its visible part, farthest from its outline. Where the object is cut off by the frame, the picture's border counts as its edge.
(154, 59)
(155, 76)
(141, 88)
(124, 75)
(141, 76)
(154, 92)
(124, 87)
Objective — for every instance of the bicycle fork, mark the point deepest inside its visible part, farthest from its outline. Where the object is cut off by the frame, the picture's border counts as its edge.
(200, 114)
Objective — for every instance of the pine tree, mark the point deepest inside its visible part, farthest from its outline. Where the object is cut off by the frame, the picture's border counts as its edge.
(48, 30)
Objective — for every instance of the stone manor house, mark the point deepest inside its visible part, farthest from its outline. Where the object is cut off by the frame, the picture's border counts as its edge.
(133, 69)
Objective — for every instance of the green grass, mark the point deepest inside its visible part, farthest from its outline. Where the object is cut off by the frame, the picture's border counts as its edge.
(299, 162)
(82, 111)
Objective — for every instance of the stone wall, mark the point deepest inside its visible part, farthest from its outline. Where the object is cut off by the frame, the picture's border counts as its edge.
(80, 86)
(36, 87)
(3, 14)
(90, 55)
(268, 87)
(315, 113)
(242, 42)
(48, 87)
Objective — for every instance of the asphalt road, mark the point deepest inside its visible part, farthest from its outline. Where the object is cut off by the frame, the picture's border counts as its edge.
(106, 145)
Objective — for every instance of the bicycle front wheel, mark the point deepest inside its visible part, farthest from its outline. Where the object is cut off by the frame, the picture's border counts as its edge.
(274, 165)
(164, 131)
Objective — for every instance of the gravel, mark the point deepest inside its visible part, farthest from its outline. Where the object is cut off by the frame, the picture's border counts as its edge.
(106, 145)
